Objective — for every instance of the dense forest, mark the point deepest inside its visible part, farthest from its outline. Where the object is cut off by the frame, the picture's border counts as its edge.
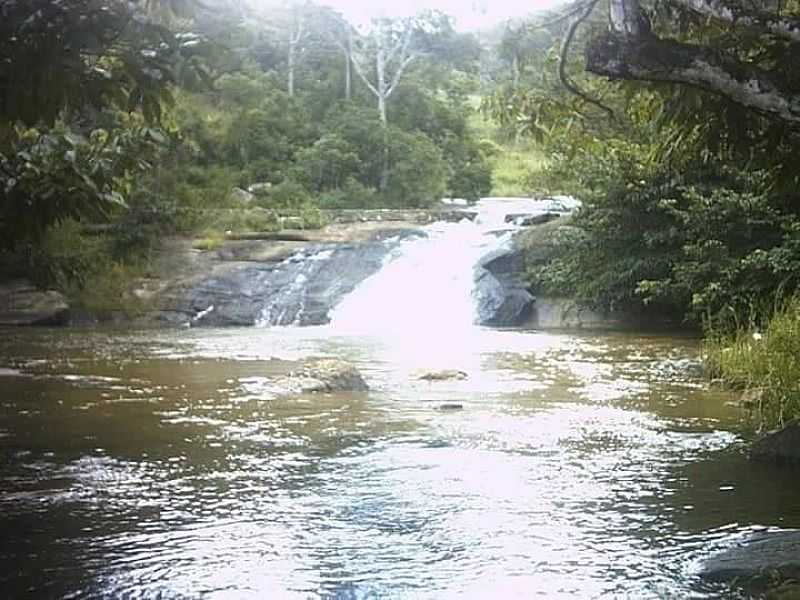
(675, 122)
(122, 122)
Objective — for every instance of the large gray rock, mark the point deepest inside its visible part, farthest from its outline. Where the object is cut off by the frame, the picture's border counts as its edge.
(782, 446)
(22, 304)
(300, 289)
(529, 220)
(768, 555)
(328, 375)
(501, 296)
(565, 313)
(443, 375)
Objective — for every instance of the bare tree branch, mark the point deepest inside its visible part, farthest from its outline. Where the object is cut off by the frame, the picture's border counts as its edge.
(562, 60)
(360, 71)
(399, 73)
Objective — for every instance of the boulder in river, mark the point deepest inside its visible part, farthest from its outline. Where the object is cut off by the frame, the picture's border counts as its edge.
(501, 296)
(781, 446)
(450, 406)
(443, 375)
(759, 559)
(21, 303)
(329, 375)
(529, 220)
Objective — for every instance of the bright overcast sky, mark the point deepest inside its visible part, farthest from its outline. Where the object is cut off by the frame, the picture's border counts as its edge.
(469, 14)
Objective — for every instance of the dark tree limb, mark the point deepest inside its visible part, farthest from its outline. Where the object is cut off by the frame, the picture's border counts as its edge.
(562, 60)
(645, 57)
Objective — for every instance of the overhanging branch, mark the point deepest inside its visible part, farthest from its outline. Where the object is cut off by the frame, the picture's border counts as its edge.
(562, 60)
(648, 58)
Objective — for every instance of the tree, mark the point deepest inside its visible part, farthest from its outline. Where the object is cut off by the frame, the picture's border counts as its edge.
(390, 47)
(81, 85)
(297, 33)
(744, 54)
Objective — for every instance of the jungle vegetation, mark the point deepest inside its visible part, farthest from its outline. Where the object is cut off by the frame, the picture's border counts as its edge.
(676, 122)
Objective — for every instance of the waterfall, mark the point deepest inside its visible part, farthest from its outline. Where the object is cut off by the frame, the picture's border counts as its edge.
(427, 285)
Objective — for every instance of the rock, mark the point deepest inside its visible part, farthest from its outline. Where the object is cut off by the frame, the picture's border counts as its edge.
(22, 304)
(329, 375)
(526, 220)
(501, 295)
(241, 196)
(762, 556)
(450, 406)
(300, 289)
(782, 446)
(565, 313)
(443, 375)
(259, 188)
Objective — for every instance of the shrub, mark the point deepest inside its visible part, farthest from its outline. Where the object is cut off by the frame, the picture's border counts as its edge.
(767, 362)
(288, 194)
(352, 195)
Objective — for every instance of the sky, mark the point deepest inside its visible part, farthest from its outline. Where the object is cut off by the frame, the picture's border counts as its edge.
(469, 14)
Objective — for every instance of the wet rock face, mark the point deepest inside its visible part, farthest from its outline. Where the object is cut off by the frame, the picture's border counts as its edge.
(299, 290)
(22, 304)
(779, 447)
(501, 296)
(763, 556)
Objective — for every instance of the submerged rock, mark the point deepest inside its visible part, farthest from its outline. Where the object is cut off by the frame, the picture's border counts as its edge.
(448, 406)
(21, 303)
(764, 556)
(329, 375)
(443, 375)
(781, 446)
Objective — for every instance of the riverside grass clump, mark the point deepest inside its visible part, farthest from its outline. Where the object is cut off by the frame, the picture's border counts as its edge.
(766, 363)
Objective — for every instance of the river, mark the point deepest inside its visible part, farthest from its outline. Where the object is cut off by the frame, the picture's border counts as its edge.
(169, 464)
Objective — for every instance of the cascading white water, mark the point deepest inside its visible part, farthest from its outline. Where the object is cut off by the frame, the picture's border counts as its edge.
(426, 287)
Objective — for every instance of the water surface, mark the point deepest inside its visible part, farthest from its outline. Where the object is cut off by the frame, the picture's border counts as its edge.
(168, 464)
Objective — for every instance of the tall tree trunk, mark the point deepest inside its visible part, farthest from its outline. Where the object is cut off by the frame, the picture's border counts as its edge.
(515, 70)
(380, 68)
(290, 61)
(348, 68)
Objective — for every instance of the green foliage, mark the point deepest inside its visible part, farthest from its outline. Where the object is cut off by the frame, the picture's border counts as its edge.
(418, 170)
(138, 120)
(82, 267)
(353, 194)
(328, 163)
(263, 140)
(767, 363)
(288, 194)
(48, 69)
(47, 176)
(709, 244)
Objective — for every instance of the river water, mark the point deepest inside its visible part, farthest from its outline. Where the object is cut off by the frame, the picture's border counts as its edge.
(169, 464)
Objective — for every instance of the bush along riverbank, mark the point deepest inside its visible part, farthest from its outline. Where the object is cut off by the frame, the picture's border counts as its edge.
(764, 364)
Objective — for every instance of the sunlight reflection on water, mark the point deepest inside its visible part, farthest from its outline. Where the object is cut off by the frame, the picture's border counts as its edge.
(568, 473)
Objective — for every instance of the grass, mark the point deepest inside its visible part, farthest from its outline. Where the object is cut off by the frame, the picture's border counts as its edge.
(767, 364)
(515, 163)
(210, 240)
